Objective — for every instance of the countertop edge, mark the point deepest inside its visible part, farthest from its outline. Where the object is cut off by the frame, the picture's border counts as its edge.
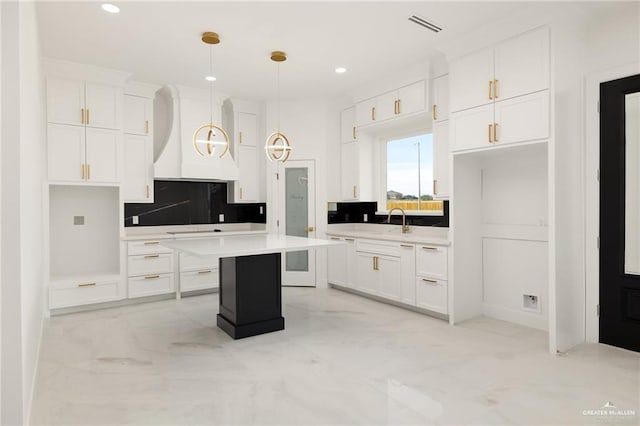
(382, 237)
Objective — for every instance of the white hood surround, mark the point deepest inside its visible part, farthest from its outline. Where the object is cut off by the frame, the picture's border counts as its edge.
(179, 111)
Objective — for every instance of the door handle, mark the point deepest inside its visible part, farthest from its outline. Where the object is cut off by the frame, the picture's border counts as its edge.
(490, 90)
(309, 229)
(495, 132)
(495, 89)
(430, 281)
(434, 111)
(489, 134)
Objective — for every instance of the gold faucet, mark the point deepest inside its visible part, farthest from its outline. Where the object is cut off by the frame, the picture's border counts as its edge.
(405, 227)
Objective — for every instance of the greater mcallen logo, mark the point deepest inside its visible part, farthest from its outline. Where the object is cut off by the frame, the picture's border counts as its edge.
(609, 410)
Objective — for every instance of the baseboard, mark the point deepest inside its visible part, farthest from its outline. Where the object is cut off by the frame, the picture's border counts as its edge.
(36, 370)
(527, 319)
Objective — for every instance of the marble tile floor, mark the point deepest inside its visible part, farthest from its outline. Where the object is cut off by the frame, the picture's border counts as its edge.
(342, 360)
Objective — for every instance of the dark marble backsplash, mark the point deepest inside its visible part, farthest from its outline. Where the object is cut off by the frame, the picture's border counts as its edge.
(191, 203)
(354, 213)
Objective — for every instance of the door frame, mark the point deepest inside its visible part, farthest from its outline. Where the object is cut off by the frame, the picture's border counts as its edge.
(311, 275)
(592, 193)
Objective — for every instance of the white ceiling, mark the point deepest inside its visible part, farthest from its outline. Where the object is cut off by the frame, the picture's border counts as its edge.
(159, 42)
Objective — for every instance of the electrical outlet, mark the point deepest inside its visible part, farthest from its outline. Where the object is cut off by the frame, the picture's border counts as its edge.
(366, 217)
(135, 220)
(261, 209)
(530, 302)
(221, 217)
(78, 220)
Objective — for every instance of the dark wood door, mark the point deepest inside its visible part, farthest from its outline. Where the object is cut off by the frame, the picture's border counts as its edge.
(619, 213)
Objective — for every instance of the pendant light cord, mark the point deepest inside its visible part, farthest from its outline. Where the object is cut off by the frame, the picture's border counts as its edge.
(278, 78)
(211, 85)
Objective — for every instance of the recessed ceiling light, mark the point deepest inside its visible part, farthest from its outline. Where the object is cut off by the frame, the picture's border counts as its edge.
(111, 8)
(341, 70)
(210, 78)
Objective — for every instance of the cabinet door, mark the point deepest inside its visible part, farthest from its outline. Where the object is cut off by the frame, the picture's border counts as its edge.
(348, 125)
(247, 129)
(522, 119)
(412, 98)
(102, 104)
(65, 101)
(522, 64)
(386, 106)
(337, 263)
(138, 169)
(365, 112)
(440, 106)
(66, 156)
(102, 155)
(367, 278)
(248, 165)
(431, 261)
(137, 115)
(441, 159)
(408, 273)
(350, 171)
(432, 295)
(470, 128)
(389, 277)
(469, 80)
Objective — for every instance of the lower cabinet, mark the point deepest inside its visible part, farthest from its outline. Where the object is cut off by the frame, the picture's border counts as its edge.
(149, 269)
(84, 291)
(198, 273)
(380, 269)
(150, 285)
(341, 261)
(431, 294)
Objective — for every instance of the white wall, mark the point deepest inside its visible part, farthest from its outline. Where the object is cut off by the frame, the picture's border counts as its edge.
(23, 150)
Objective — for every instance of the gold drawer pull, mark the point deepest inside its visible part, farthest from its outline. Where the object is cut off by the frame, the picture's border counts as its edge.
(88, 119)
(353, 131)
(489, 134)
(430, 281)
(429, 248)
(149, 256)
(406, 245)
(149, 243)
(87, 285)
(490, 90)
(241, 137)
(495, 132)
(205, 272)
(434, 112)
(495, 89)
(349, 239)
(146, 126)
(147, 195)
(88, 171)
(83, 174)
(151, 277)
(82, 115)
(398, 101)
(335, 238)
(373, 114)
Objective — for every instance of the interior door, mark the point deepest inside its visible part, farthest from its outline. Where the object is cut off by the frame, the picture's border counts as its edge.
(620, 213)
(297, 184)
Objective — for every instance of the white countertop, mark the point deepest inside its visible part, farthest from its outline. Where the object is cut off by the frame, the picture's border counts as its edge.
(245, 245)
(416, 235)
(135, 233)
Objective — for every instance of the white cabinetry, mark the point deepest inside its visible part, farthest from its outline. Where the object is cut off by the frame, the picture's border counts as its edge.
(341, 261)
(348, 125)
(198, 273)
(350, 171)
(500, 95)
(83, 140)
(431, 278)
(379, 269)
(441, 160)
(240, 118)
(149, 268)
(84, 291)
(404, 101)
(440, 98)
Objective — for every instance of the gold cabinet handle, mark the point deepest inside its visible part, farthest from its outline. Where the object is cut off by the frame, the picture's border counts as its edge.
(354, 132)
(240, 136)
(86, 285)
(398, 101)
(146, 126)
(349, 239)
(335, 238)
(309, 229)
(151, 256)
(406, 245)
(433, 111)
(88, 171)
(373, 113)
(395, 107)
(489, 136)
(88, 119)
(429, 248)
(377, 263)
(495, 132)
(148, 191)
(495, 89)
(82, 115)
(151, 243)
(354, 191)
(205, 272)
(435, 186)
(241, 193)
(490, 90)
(151, 277)
(430, 281)
(82, 171)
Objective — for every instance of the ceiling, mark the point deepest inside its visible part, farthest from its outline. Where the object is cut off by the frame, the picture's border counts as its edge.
(159, 42)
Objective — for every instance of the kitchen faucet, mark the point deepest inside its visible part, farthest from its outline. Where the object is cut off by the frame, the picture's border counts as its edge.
(405, 227)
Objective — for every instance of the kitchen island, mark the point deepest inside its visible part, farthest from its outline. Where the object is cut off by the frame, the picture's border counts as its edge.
(250, 278)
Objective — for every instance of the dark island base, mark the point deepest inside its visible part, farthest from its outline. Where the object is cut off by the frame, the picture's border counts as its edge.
(250, 295)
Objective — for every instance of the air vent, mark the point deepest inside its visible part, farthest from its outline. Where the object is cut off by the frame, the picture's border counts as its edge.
(424, 23)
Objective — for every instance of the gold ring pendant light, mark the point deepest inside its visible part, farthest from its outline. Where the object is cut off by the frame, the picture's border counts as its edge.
(277, 145)
(216, 136)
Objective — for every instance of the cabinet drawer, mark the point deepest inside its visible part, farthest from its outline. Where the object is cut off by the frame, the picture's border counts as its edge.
(150, 264)
(431, 294)
(431, 261)
(83, 294)
(150, 285)
(146, 247)
(378, 247)
(190, 262)
(199, 280)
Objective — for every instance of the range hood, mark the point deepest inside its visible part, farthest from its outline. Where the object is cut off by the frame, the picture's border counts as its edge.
(178, 112)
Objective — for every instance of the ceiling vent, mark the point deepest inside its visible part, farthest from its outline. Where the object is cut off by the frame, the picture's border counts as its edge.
(424, 23)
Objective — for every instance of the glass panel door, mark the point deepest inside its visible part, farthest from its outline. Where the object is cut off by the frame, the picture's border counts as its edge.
(632, 184)
(297, 211)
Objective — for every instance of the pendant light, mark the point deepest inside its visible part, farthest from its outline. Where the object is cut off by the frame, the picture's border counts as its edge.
(216, 136)
(277, 145)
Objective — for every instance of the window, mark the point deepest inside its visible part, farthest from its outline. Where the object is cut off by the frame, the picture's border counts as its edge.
(409, 174)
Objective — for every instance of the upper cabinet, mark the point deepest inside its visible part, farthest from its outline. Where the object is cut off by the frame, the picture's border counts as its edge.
(440, 98)
(404, 101)
(500, 95)
(82, 103)
(515, 67)
(138, 115)
(247, 129)
(348, 125)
